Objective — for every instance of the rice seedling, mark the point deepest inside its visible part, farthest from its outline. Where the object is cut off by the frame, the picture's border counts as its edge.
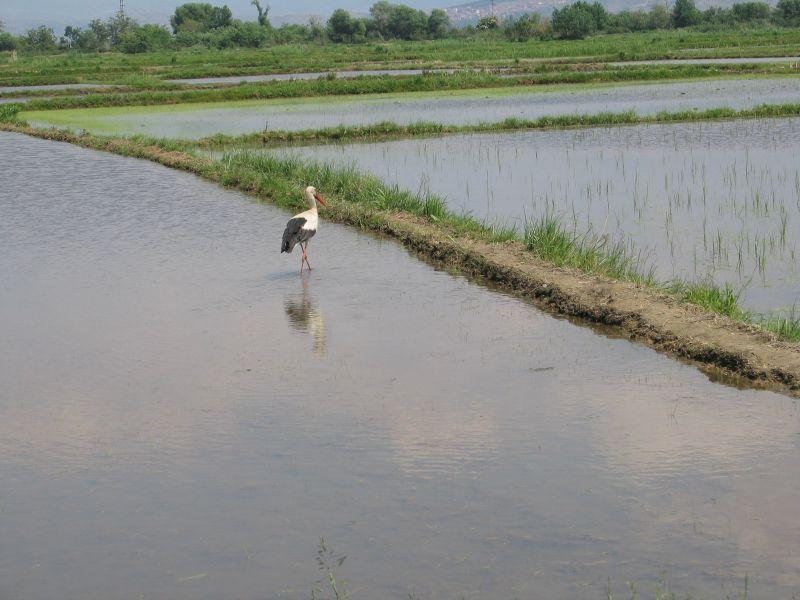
(549, 239)
(785, 325)
(722, 300)
(677, 192)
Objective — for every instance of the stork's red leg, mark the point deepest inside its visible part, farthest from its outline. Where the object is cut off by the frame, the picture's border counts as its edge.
(305, 256)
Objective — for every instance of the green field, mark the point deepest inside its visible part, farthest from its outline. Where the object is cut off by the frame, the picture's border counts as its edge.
(473, 52)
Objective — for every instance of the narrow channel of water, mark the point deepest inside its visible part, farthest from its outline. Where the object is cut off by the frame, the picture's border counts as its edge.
(460, 107)
(738, 60)
(182, 415)
(702, 200)
(307, 75)
(7, 89)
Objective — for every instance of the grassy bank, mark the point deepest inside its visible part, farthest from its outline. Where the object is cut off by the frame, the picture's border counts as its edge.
(472, 52)
(387, 130)
(84, 118)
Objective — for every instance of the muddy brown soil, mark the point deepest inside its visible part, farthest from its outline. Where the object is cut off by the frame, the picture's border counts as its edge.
(642, 314)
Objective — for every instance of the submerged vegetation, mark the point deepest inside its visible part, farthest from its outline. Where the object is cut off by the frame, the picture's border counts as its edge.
(549, 239)
(387, 130)
(786, 326)
(546, 238)
(493, 251)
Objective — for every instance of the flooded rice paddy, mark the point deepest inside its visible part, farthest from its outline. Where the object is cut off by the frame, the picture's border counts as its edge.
(714, 200)
(740, 60)
(304, 76)
(52, 87)
(14, 100)
(184, 416)
(191, 121)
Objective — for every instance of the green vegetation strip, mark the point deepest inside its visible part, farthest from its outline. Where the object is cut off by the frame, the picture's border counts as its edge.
(480, 51)
(387, 130)
(386, 84)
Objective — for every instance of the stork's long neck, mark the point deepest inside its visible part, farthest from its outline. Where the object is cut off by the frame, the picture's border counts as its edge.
(312, 203)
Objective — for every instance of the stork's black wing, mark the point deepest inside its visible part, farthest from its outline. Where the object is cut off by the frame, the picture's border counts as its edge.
(292, 233)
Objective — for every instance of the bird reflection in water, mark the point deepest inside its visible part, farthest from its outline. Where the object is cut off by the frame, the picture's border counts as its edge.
(304, 316)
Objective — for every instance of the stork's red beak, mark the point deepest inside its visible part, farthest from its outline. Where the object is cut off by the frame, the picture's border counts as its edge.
(319, 199)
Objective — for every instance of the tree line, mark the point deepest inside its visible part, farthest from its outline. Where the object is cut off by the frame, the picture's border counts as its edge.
(203, 24)
(581, 19)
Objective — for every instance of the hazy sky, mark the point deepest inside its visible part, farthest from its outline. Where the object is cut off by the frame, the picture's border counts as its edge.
(21, 14)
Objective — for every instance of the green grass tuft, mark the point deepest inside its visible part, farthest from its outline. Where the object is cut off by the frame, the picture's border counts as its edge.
(721, 300)
(786, 326)
(550, 240)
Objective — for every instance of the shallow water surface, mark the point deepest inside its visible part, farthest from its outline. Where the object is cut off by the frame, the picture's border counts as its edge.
(738, 60)
(700, 200)
(308, 75)
(460, 107)
(183, 416)
(13, 100)
(7, 89)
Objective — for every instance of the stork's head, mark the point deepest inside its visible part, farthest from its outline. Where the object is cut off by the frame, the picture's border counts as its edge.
(313, 197)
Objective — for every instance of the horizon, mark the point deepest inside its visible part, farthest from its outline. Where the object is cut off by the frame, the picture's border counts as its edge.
(18, 17)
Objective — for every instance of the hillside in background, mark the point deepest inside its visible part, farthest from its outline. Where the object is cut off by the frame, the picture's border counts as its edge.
(470, 12)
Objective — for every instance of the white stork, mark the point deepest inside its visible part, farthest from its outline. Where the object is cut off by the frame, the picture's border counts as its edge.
(302, 227)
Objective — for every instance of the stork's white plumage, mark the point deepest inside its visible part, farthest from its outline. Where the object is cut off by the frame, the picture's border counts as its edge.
(302, 227)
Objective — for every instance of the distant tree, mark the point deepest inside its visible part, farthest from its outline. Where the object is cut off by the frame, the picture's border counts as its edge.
(344, 28)
(98, 38)
(685, 13)
(715, 15)
(407, 23)
(658, 17)
(263, 13)
(578, 20)
(599, 14)
(118, 30)
(381, 12)
(247, 35)
(145, 38)
(119, 25)
(40, 39)
(7, 41)
(438, 23)
(523, 28)
(200, 16)
(751, 11)
(789, 11)
(2, 26)
(316, 31)
(293, 33)
(628, 20)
